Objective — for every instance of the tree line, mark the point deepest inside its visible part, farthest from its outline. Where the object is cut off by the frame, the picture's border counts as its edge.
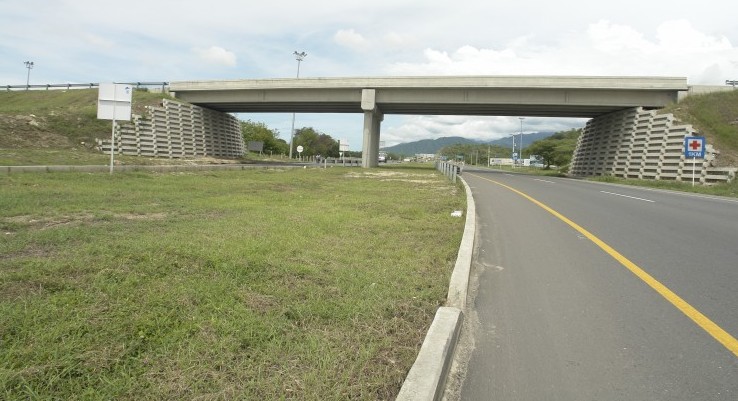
(314, 143)
(556, 150)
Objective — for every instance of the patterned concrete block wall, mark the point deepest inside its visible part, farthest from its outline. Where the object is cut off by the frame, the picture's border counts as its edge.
(637, 143)
(177, 130)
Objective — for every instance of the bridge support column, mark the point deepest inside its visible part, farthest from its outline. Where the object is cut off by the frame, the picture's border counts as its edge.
(372, 122)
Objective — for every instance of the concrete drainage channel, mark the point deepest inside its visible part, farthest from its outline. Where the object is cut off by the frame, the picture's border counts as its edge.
(427, 377)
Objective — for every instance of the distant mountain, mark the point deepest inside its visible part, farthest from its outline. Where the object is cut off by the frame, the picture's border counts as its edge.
(429, 146)
(527, 139)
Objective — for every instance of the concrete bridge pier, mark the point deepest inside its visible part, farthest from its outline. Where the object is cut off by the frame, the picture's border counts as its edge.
(372, 122)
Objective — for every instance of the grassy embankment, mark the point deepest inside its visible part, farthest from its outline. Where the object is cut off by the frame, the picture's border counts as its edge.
(715, 116)
(59, 127)
(304, 284)
(56, 127)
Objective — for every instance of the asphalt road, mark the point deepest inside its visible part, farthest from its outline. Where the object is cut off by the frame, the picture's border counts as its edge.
(556, 317)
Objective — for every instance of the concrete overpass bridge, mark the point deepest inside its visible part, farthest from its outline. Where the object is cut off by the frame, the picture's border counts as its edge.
(542, 96)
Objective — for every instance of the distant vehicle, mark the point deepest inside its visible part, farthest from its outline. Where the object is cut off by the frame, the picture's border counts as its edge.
(382, 157)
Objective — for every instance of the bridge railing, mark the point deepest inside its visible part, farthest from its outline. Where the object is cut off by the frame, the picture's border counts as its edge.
(91, 85)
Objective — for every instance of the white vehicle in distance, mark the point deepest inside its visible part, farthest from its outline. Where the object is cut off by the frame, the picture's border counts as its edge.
(382, 157)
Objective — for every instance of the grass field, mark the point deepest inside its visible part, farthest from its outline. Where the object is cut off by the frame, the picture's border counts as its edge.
(304, 284)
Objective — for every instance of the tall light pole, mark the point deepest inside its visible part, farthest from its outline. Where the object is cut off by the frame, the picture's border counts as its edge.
(513, 152)
(29, 65)
(521, 137)
(299, 56)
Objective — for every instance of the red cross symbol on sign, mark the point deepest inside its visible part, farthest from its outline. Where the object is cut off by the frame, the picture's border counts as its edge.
(695, 145)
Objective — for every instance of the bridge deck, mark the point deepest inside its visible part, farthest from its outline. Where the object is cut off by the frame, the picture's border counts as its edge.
(553, 96)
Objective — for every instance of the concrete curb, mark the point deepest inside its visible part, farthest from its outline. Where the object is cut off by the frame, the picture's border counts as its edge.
(427, 377)
(459, 283)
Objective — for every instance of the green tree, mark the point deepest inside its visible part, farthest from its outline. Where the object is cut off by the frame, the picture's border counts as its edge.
(557, 149)
(545, 151)
(259, 132)
(316, 143)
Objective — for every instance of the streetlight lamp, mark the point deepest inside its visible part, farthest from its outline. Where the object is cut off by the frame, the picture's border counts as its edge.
(29, 65)
(521, 137)
(299, 56)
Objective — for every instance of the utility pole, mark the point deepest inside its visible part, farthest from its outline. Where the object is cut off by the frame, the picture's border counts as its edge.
(521, 137)
(29, 65)
(299, 57)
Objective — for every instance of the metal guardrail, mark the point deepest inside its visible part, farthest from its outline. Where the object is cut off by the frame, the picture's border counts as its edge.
(8, 88)
(450, 170)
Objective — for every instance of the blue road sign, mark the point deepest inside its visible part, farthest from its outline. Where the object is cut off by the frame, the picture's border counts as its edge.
(694, 147)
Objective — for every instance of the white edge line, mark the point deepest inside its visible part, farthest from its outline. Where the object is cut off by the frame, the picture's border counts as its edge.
(626, 196)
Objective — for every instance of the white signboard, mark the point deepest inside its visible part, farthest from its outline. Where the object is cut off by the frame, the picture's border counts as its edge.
(114, 102)
(343, 145)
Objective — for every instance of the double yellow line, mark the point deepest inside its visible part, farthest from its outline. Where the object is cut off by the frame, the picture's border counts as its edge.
(722, 336)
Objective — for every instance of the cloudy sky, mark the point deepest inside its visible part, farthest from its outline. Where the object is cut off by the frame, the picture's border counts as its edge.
(161, 40)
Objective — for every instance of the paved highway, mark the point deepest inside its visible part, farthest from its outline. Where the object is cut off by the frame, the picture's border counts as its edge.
(599, 292)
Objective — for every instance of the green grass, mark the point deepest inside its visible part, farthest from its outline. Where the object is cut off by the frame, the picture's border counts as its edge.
(84, 157)
(57, 119)
(714, 115)
(730, 190)
(303, 284)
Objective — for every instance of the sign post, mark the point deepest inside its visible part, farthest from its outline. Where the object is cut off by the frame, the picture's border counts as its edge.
(343, 146)
(114, 103)
(299, 150)
(694, 147)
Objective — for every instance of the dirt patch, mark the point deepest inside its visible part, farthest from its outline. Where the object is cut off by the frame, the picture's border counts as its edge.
(147, 216)
(44, 223)
(29, 131)
(394, 176)
(29, 252)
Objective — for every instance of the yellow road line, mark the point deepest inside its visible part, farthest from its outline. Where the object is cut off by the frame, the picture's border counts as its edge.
(722, 336)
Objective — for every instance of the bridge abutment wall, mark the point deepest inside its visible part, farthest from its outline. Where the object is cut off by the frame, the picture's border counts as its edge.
(642, 144)
(176, 130)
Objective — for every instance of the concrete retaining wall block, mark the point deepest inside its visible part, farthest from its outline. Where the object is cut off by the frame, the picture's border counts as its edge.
(637, 143)
(177, 130)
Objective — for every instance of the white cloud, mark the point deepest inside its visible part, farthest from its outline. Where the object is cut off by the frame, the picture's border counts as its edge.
(524, 37)
(395, 39)
(98, 41)
(603, 48)
(612, 39)
(681, 37)
(351, 39)
(217, 55)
